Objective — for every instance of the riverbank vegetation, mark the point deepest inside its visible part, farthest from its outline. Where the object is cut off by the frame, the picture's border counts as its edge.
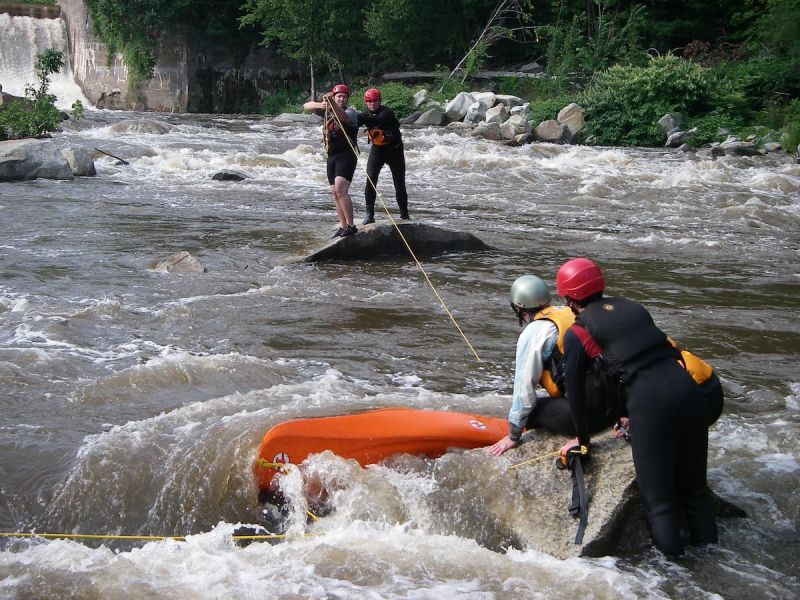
(733, 65)
(36, 114)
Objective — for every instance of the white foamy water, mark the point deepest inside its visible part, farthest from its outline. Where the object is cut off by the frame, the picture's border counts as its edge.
(21, 40)
(133, 400)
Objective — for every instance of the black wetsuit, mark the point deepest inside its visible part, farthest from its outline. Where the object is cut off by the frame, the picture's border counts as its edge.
(390, 153)
(668, 416)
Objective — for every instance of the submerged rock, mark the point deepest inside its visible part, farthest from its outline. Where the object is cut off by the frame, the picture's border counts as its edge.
(180, 262)
(141, 126)
(380, 240)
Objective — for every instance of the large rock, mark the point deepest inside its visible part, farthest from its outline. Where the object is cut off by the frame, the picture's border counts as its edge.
(488, 131)
(435, 116)
(141, 126)
(475, 113)
(458, 106)
(292, 118)
(554, 132)
(180, 262)
(383, 240)
(32, 159)
(572, 116)
(532, 511)
(80, 160)
(497, 114)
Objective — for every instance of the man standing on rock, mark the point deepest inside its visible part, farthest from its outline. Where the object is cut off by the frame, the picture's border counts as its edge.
(339, 131)
(663, 405)
(383, 132)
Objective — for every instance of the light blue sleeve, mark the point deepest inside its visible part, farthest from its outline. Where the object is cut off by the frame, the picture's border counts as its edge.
(534, 347)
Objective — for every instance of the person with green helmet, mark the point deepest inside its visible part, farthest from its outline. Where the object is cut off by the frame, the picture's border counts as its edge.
(538, 363)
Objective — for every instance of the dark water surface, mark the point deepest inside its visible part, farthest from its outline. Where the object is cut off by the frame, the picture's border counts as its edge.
(133, 400)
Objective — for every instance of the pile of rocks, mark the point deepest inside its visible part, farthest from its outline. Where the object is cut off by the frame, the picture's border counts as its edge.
(495, 117)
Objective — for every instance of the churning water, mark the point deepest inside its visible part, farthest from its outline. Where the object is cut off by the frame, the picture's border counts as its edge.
(133, 400)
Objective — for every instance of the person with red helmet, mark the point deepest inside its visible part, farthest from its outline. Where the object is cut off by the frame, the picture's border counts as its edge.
(661, 403)
(383, 133)
(339, 132)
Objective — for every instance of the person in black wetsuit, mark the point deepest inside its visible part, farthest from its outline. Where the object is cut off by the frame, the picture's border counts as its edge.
(663, 404)
(339, 131)
(383, 132)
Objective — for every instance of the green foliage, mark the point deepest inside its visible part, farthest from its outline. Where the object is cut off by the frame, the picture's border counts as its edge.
(394, 95)
(595, 38)
(283, 100)
(544, 110)
(323, 33)
(623, 104)
(37, 114)
(78, 110)
(423, 33)
(712, 127)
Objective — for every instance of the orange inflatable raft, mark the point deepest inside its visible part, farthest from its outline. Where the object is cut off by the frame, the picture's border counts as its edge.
(372, 436)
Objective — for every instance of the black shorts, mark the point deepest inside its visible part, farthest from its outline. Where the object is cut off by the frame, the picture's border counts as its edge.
(342, 164)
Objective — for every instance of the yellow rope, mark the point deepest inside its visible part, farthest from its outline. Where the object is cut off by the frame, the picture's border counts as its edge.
(533, 460)
(582, 450)
(408, 246)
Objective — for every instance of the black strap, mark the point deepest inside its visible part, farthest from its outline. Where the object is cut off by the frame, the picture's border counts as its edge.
(579, 494)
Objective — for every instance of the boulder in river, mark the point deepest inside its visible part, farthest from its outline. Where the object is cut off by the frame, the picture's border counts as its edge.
(382, 240)
(180, 262)
(228, 175)
(141, 126)
(532, 513)
(32, 159)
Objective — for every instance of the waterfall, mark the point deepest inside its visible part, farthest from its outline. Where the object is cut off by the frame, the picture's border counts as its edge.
(21, 40)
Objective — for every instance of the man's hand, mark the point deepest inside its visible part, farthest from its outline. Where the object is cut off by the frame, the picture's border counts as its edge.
(623, 428)
(501, 447)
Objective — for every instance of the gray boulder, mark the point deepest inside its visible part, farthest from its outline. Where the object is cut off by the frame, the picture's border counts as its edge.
(572, 116)
(32, 159)
(532, 512)
(141, 126)
(488, 131)
(475, 113)
(488, 99)
(677, 138)
(293, 118)
(434, 116)
(497, 114)
(457, 107)
(420, 98)
(180, 262)
(80, 161)
(554, 132)
(228, 175)
(738, 148)
(671, 121)
(382, 240)
(509, 100)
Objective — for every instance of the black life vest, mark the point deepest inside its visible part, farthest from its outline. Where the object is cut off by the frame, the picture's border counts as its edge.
(335, 136)
(627, 336)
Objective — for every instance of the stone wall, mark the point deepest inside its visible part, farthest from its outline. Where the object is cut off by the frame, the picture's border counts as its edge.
(191, 75)
(37, 11)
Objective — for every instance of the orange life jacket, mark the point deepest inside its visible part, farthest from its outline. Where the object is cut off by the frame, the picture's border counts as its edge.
(562, 317)
(699, 369)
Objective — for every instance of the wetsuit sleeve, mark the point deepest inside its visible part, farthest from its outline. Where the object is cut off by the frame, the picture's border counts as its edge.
(534, 346)
(576, 366)
(384, 118)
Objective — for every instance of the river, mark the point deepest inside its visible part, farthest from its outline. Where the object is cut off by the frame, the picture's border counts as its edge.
(133, 399)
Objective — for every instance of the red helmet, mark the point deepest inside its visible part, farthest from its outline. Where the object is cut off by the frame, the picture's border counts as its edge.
(340, 88)
(372, 94)
(579, 278)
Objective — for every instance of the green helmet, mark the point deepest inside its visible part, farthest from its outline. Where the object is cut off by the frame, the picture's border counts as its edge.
(529, 291)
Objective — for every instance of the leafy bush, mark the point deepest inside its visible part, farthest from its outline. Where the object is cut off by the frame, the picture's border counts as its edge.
(37, 114)
(623, 104)
(283, 100)
(543, 110)
(394, 95)
(709, 127)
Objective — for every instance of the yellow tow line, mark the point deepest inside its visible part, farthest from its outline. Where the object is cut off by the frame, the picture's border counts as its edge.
(402, 237)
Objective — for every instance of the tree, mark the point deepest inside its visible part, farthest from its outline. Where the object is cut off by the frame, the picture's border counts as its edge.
(37, 114)
(320, 33)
